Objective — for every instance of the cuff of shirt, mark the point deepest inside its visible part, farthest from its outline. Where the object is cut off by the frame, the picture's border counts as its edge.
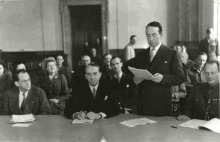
(102, 114)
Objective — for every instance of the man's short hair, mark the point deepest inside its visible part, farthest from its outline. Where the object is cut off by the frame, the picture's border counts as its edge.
(106, 54)
(85, 56)
(94, 65)
(15, 75)
(201, 54)
(213, 62)
(114, 57)
(15, 65)
(3, 64)
(209, 30)
(131, 37)
(155, 24)
(59, 55)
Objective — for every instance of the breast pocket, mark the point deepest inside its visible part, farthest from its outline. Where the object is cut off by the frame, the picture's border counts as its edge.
(57, 88)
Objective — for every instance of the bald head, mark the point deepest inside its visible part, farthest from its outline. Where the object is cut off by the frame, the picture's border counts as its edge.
(85, 60)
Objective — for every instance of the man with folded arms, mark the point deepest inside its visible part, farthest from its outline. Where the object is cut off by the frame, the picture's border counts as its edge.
(203, 102)
(93, 99)
(24, 98)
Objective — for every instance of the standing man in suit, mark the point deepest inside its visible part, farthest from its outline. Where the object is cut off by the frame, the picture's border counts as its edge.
(129, 51)
(154, 94)
(64, 70)
(24, 99)
(123, 85)
(93, 99)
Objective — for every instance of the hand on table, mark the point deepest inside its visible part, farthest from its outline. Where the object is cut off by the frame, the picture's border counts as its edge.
(92, 115)
(54, 101)
(183, 117)
(157, 78)
(81, 115)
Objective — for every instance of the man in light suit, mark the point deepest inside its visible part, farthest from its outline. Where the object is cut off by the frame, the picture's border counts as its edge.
(129, 51)
(24, 99)
(154, 94)
(92, 100)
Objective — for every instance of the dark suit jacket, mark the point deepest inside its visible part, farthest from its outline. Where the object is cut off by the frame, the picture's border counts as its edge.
(155, 98)
(83, 100)
(197, 102)
(56, 89)
(125, 91)
(36, 102)
(204, 47)
(67, 73)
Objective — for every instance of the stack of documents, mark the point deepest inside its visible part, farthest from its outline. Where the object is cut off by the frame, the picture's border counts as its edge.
(21, 118)
(145, 74)
(139, 121)
(85, 121)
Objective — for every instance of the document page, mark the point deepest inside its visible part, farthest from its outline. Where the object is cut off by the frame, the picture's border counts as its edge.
(139, 121)
(85, 121)
(194, 123)
(21, 118)
(213, 125)
(145, 74)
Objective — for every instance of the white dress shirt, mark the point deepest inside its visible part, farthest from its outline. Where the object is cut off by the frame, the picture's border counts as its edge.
(21, 97)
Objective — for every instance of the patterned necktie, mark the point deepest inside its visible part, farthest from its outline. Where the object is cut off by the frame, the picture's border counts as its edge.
(152, 53)
(94, 92)
(23, 102)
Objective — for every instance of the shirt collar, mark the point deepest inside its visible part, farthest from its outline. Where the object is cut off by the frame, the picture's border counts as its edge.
(21, 93)
(91, 87)
(156, 47)
(120, 75)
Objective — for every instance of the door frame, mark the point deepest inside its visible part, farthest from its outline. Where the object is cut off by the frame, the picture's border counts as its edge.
(66, 24)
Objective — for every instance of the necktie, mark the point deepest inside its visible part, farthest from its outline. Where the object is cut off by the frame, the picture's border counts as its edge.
(23, 103)
(152, 53)
(94, 92)
(118, 78)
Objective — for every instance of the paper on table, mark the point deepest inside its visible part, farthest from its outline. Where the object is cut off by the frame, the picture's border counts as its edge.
(21, 125)
(139, 121)
(145, 74)
(85, 121)
(21, 118)
(213, 124)
(194, 123)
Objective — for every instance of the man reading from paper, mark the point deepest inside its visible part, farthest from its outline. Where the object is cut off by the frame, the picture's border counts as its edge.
(203, 101)
(155, 94)
(92, 100)
(24, 98)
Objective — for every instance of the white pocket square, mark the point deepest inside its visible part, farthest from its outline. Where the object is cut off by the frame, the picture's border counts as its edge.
(165, 62)
(106, 97)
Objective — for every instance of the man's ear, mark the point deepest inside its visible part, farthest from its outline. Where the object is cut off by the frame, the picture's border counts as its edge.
(16, 83)
(121, 64)
(100, 74)
(86, 76)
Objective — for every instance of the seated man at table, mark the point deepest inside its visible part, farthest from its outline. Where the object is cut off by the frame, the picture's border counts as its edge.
(203, 102)
(93, 99)
(124, 86)
(24, 98)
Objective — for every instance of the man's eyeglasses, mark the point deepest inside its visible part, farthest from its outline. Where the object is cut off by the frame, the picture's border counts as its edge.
(25, 81)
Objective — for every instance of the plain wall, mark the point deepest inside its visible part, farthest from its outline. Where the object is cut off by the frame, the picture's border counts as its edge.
(30, 25)
(131, 17)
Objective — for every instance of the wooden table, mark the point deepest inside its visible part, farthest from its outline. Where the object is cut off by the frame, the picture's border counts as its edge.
(59, 129)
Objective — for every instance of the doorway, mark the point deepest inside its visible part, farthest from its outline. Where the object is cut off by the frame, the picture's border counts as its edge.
(86, 30)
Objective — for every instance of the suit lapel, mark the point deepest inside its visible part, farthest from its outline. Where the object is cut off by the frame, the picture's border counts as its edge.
(89, 92)
(30, 101)
(157, 59)
(15, 101)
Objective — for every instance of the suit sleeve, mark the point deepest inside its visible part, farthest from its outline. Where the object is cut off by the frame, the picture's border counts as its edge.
(44, 107)
(5, 108)
(64, 88)
(201, 46)
(188, 111)
(68, 77)
(177, 76)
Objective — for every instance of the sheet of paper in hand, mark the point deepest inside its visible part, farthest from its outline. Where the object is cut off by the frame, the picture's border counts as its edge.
(85, 121)
(212, 125)
(21, 118)
(145, 74)
(139, 121)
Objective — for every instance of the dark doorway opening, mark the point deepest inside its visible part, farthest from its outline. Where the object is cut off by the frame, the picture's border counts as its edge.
(86, 26)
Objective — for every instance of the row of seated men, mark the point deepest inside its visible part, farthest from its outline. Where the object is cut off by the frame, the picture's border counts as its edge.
(107, 98)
